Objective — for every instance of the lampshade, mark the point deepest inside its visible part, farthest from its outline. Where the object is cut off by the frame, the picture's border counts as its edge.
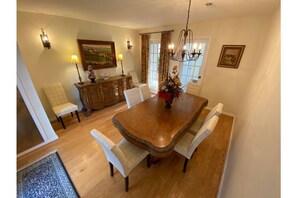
(74, 58)
(120, 57)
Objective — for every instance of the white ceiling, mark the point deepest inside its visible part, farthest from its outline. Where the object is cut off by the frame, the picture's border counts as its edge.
(139, 14)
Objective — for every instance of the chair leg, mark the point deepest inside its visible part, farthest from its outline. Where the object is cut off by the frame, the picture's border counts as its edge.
(111, 168)
(127, 183)
(71, 114)
(185, 165)
(148, 161)
(60, 118)
(77, 116)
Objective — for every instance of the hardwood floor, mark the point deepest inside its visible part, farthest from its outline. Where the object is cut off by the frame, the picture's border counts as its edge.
(89, 170)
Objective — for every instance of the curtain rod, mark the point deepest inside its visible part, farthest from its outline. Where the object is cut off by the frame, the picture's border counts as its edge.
(156, 32)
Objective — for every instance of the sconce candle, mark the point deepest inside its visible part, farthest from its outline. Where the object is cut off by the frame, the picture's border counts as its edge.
(129, 44)
(121, 58)
(74, 60)
(45, 40)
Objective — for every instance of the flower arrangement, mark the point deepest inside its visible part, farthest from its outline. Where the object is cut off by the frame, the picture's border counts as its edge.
(171, 87)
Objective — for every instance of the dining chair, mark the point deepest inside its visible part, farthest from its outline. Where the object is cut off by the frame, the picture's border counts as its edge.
(59, 102)
(124, 156)
(193, 88)
(145, 92)
(132, 97)
(135, 79)
(217, 110)
(188, 143)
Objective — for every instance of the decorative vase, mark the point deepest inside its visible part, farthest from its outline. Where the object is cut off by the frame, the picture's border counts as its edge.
(93, 80)
(169, 102)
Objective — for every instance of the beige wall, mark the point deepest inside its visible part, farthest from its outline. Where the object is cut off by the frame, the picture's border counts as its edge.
(254, 163)
(54, 65)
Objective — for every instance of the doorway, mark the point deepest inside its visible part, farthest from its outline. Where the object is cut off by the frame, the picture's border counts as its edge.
(28, 134)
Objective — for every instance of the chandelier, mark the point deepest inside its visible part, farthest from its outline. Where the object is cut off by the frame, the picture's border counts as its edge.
(185, 49)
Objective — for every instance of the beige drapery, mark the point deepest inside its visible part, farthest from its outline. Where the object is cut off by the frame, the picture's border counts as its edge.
(144, 57)
(164, 57)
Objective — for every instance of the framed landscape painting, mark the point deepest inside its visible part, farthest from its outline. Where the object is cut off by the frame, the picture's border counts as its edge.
(230, 56)
(98, 54)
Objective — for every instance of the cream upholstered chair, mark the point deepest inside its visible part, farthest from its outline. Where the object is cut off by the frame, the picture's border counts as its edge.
(193, 88)
(217, 110)
(132, 97)
(145, 92)
(59, 102)
(124, 156)
(188, 143)
(135, 79)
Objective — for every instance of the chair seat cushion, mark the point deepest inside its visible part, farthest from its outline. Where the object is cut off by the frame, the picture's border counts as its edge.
(182, 146)
(64, 109)
(138, 84)
(133, 154)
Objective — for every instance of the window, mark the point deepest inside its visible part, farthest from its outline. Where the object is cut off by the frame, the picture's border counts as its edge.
(154, 59)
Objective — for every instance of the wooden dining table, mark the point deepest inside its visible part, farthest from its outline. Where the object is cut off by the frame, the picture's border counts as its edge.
(155, 128)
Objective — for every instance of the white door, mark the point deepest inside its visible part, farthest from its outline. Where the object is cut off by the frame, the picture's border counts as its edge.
(192, 72)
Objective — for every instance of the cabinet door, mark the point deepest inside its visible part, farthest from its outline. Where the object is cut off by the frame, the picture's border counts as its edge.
(110, 92)
(95, 99)
(123, 87)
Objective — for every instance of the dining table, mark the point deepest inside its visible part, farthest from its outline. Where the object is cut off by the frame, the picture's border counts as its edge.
(155, 128)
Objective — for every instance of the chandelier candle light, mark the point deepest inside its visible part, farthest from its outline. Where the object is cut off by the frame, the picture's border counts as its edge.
(74, 60)
(185, 40)
(121, 58)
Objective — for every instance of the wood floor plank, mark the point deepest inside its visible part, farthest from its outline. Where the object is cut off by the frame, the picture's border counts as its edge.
(86, 163)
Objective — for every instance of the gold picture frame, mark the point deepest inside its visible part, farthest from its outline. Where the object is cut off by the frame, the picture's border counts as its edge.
(98, 54)
(230, 56)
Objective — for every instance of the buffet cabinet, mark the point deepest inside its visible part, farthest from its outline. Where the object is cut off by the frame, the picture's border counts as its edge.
(103, 93)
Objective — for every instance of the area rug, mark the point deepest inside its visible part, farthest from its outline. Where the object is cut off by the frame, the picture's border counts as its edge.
(46, 177)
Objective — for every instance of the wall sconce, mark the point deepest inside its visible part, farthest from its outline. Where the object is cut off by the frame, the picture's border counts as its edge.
(74, 60)
(129, 44)
(45, 40)
(121, 58)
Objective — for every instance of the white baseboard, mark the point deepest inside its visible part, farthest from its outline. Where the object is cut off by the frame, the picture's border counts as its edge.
(37, 146)
(226, 160)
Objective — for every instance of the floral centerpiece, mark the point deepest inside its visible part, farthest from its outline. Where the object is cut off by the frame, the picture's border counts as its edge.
(170, 88)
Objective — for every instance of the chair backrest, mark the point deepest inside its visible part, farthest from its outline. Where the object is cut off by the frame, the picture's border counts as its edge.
(55, 94)
(193, 88)
(132, 97)
(112, 152)
(203, 132)
(134, 76)
(145, 92)
(217, 110)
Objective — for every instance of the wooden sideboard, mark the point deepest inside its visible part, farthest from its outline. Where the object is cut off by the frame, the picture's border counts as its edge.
(103, 93)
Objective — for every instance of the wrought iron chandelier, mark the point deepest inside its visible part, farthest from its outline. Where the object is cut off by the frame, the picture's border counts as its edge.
(185, 50)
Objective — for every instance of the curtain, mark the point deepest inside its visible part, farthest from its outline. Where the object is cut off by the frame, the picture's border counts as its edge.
(144, 57)
(164, 57)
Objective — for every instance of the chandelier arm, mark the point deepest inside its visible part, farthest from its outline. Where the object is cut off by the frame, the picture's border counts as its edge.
(179, 40)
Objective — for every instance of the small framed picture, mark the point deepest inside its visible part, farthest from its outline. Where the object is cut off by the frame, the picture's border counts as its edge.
(230, 56)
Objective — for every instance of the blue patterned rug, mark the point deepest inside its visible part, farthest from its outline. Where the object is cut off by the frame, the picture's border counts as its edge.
(45, 178)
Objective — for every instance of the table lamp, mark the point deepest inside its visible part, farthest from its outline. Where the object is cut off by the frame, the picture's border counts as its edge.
(74, 60)
(121, 58)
